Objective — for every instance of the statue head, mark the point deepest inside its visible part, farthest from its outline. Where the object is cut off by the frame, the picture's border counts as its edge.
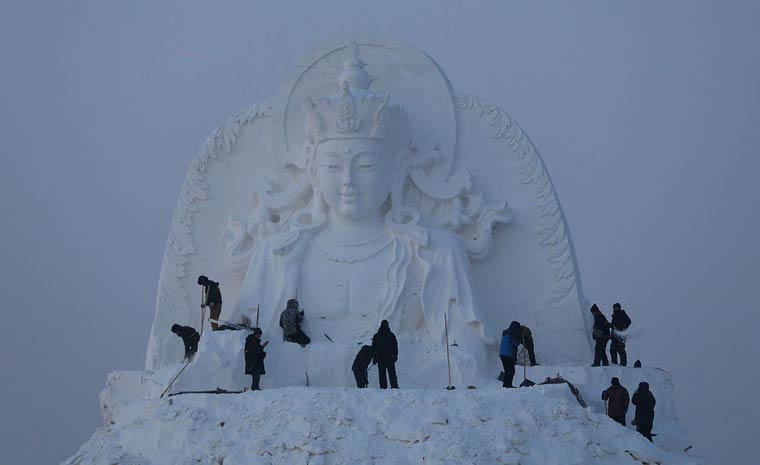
(357, 147)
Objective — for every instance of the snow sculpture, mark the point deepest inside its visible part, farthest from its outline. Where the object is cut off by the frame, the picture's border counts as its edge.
(366, 209)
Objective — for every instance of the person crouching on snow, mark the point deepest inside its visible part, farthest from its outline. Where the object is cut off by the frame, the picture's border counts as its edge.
(290, 322)
(254, 358)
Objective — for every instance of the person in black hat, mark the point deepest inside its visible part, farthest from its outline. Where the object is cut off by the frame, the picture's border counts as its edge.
(290, 322)
(361, 365)
(644, 401)
(620, 323)
(385, 348)
(617, 400)
(213, 299)
(601, 334)
(190, 338)
(254, 357)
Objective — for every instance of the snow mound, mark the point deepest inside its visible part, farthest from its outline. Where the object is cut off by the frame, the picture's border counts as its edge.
(299, 425)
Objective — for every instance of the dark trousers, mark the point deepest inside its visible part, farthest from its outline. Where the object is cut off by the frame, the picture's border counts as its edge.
(215, 309)
(255, 378)
(620, 419)
(509, 370)
(362, 377)
(299, 337)
(391, 369)
(617, 347)
(600, 352)
(645, 431)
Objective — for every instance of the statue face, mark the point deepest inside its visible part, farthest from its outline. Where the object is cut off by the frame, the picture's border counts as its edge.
(354, 176)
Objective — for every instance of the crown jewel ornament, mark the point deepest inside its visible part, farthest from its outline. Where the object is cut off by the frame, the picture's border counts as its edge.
(356, 112)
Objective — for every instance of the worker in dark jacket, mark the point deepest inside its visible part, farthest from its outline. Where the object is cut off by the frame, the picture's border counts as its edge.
(510, 339)
(385, 348)
(617, 400)
(361, 366)
(290, 322)
(620, 323)
(254, 358)
(601, 334)
(644, 401)
(527, 342)
(190, 338)
(213, 299)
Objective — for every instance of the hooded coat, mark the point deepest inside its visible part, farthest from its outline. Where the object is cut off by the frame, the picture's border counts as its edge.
(189, 335)
(618, 400)
(620, 320)
(363, 358)
(644, 401)
(290, 319)
(385, 345)
(510, 339)
(254, 356)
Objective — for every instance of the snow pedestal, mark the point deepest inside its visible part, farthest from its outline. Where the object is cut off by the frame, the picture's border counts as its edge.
(219, 363)
(299, 425)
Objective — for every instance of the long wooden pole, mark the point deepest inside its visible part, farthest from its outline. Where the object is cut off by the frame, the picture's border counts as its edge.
(448, 358)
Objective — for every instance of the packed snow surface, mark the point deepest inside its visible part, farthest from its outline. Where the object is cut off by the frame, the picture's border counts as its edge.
(300, 425)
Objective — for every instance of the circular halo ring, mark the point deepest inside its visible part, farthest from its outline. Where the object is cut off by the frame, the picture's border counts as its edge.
(408, 74)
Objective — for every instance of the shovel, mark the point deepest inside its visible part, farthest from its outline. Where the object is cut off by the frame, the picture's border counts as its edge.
(526, 382)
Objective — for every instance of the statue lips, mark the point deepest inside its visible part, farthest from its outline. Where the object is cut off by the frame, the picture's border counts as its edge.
(349, 197)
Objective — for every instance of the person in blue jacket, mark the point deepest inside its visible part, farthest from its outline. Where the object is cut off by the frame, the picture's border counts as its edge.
(510, 339)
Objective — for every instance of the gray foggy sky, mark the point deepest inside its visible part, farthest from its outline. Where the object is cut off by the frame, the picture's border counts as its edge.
(645, 113)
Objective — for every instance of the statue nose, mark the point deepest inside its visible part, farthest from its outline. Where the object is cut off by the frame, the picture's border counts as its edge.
(348, 177)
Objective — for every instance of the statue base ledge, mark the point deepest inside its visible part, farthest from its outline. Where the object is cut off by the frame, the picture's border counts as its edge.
(308, 425)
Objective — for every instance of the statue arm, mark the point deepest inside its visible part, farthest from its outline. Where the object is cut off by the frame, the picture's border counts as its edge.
(447, 290)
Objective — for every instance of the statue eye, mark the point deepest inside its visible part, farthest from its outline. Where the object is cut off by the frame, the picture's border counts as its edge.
(366, 166)
(332, 166)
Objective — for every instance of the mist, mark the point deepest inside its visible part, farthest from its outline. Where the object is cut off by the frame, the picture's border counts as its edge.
(646, 114)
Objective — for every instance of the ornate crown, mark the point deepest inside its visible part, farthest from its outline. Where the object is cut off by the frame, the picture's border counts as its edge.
(356, 112)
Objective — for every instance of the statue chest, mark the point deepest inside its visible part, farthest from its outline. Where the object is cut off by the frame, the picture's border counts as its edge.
(336, 287)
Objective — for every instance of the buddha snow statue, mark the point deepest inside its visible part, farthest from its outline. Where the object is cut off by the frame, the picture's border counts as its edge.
(349, 241)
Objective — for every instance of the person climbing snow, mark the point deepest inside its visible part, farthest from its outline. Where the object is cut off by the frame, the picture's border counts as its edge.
(290, 322)
(620, 323)
(510, 339)
(254, 358)
(600, 334)
(644, 401)
(617, 400)
(190, 338)
(361, 366)
(385, 348)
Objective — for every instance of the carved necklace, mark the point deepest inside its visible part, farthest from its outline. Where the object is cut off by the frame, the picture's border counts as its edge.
(350, 251)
